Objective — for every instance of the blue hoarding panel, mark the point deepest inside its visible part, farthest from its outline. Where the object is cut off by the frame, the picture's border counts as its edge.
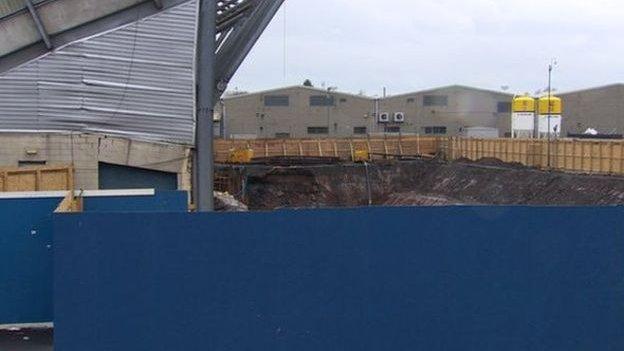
(26, 260)
(26, 247)
(161, 201)
(463, 278)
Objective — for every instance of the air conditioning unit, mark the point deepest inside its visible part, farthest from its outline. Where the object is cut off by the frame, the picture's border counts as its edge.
(384, 117)
(399, 117)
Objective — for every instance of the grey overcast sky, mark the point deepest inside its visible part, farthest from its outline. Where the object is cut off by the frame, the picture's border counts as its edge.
(406, 45)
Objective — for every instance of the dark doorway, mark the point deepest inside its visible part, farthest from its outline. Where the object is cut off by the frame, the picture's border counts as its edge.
(126, 177)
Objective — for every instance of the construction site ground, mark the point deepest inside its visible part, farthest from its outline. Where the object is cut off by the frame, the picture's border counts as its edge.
(25, 339)
(414, 183)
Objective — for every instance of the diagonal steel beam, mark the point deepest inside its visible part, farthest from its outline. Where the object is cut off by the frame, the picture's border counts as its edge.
(229, 18)
(239, 43)
(90, 27)
(39, 24)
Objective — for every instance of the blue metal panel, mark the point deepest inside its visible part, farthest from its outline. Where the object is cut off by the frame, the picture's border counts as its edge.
(463, 278)
(26, 260)
(26, 248)
(161, 201)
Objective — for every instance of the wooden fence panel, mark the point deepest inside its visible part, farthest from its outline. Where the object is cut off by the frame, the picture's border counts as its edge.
(586, 156)
(618, 158)
(36, 179)
(342, 148)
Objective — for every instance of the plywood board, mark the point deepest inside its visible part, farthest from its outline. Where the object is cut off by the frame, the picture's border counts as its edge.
(36, 179)
(588, 156)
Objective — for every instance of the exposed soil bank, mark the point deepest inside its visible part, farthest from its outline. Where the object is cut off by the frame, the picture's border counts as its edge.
(422, 183)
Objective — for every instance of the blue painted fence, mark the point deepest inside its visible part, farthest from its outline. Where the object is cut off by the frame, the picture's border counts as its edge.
(462, 278)
(26, 248)
(26, 260)
(162, 201)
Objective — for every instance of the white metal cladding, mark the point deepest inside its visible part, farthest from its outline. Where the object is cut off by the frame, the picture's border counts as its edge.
(136, 81)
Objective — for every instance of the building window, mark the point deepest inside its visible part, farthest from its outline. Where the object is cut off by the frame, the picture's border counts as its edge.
(318, 130)
(282, 135)
(504, 107)
(277, 100)
(435, 100)
(321, 100)
(435, 130)
(411, 100)
(31, 163)
(392, 129)
(360, 130)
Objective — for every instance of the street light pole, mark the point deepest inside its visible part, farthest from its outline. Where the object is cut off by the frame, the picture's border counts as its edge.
(550, 69)
(329, 103)
(328, 111)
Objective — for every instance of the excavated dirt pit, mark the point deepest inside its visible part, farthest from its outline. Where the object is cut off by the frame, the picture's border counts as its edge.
(417, 183)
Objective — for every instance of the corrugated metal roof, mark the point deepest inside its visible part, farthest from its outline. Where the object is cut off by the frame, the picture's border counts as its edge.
(137, 81)
(9, 7)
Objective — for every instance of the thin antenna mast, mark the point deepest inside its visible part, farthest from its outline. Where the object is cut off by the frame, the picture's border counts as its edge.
(285, 43)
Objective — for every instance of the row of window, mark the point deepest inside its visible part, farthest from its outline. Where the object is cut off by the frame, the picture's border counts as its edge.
(315, 100)
(364, 131)
(318, 130)
(504, 107)
(328, 100)
(325, 130)
(435, 100)
(435, 130)
(322, 100)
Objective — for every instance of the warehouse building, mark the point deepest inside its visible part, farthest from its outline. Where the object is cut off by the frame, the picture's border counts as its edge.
(448, 111)
(296, 112)
(306, 112)
(600, 108)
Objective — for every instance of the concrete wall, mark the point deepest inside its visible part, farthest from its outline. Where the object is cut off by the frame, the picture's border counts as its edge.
(247, 115)
(600, 108)
(84, 152)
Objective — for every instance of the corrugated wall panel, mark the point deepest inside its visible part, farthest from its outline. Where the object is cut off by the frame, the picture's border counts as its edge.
(18, 100)
(137, 81)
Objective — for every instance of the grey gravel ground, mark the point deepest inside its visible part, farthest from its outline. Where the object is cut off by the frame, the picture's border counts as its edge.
(14, 339)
